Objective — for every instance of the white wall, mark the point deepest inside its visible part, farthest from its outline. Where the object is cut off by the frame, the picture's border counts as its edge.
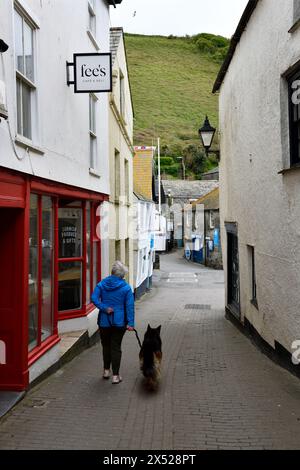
(121, 141)
(145, 222)
(62, 117)
(254, 148)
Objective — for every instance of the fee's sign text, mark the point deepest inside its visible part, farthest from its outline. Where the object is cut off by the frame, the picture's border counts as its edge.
(92, 73)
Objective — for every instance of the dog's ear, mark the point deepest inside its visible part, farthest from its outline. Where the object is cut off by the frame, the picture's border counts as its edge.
(149, 327)
(158, 328)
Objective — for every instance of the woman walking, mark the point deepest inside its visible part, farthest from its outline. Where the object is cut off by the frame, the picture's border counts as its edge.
(114, 299)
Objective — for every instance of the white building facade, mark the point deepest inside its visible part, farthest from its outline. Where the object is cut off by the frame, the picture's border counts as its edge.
(259, 171)
(54, 176)
(144, 241)
(121, 155)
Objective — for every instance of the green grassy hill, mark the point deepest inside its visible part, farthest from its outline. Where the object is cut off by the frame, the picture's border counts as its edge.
(171, 81)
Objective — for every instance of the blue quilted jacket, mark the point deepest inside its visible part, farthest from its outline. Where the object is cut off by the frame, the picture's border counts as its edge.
(115, 293)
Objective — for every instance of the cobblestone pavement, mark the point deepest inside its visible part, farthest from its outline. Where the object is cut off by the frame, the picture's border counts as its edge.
(218, 391)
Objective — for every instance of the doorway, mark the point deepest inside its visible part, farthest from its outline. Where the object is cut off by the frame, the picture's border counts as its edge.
(233, 270)
(12, 363)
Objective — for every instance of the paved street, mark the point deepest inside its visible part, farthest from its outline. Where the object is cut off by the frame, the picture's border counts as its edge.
(218, 391)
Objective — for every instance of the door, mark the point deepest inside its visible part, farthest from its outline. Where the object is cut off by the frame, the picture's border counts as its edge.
(12, 352)
(233, 281)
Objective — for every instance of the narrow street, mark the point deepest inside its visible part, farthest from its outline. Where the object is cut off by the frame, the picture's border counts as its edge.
(217, 392)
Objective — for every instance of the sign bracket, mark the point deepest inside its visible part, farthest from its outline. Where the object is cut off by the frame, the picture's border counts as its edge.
(68, 65)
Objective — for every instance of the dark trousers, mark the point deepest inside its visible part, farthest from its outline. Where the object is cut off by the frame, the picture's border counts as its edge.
(111, 340)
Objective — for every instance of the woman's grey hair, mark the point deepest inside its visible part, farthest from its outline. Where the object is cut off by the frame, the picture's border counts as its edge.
(119, 269)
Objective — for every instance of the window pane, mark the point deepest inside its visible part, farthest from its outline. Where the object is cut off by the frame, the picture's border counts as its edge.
(88, 253)
(28, 51)
(19, 106)
(95, 264)
(122, 95)
(47, 267)
(69, 286)
(93, 151)
(33, 274)
(92, 114)
(70, 232)
(26, 110)
(19, 42)
(92, 23)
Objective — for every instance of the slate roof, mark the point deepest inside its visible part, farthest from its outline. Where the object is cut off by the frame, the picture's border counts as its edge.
(211, 172)
(210, 200)
(183, 191)
(140, 197)
(211, 175)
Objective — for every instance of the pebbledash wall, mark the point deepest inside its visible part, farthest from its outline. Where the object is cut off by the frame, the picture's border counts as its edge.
(260, 204)
(54, 175)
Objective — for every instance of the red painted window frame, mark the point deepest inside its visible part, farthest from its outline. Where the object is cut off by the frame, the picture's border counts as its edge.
(41, 347)
(86, 307)
(58, 191)
(95, 220)
(81, 312)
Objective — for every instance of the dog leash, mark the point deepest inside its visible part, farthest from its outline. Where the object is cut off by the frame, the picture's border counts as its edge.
(136, 333)
(137, 337)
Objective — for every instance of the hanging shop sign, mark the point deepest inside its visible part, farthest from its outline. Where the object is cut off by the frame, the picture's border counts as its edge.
(92, 73)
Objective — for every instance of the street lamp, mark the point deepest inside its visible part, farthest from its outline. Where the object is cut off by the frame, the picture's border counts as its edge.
(207, 133)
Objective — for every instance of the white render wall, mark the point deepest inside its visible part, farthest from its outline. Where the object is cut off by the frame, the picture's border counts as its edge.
(121, 140)
(254, 148)
(62, 127)
(145, 228)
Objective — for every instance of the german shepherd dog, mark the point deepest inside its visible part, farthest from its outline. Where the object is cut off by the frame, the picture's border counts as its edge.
(150, 357)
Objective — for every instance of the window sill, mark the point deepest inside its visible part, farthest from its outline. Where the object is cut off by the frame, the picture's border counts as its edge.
(93, 39)
(94, 173)
(294, 167)
(27, 144)
(294, 27)
(38, 352)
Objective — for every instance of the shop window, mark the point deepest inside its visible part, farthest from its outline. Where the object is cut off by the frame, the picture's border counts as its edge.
(79, 256)
(70, 286)
(88, 253)
(25, 79)
(33, 306)
(40, 280)
(70, 256)
(47, 267)
(96, 250)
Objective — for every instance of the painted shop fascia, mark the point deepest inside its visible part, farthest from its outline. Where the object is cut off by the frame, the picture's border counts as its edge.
(54, 177)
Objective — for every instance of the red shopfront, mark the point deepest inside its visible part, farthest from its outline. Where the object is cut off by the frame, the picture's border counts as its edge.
(50, 262)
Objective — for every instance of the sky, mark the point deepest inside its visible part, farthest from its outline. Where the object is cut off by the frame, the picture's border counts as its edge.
(178, 17)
